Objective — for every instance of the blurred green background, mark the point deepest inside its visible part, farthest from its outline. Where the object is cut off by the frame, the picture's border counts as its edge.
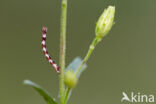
(123, 61)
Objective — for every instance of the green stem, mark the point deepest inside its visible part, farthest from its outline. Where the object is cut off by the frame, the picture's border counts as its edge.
(62, 48)
(91, 48)
(66, 96)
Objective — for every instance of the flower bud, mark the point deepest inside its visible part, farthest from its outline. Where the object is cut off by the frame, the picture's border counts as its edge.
(105, 22)
(70, 79)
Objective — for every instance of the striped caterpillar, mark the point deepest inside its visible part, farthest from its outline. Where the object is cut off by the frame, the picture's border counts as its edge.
(44, 49)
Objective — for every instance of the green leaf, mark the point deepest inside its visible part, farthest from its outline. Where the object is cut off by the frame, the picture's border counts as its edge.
(74, 65)
(41, 91)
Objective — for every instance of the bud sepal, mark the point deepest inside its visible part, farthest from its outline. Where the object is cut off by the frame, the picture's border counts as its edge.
(105, 22)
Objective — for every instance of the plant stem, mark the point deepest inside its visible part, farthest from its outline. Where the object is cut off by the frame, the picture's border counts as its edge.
(91, 48)
(66, 96)
(62, 48)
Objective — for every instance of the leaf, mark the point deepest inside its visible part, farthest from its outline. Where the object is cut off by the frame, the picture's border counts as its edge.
(41, 91)
(74, 65)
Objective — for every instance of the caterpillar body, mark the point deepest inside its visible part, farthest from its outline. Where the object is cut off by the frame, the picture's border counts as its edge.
(45, 52)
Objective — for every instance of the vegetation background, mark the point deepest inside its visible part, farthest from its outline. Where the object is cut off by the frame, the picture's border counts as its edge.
(123, 61)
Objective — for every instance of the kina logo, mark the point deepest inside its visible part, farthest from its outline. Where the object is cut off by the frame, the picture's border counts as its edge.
(137, 97)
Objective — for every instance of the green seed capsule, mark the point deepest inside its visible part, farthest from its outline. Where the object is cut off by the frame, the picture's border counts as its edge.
(70, 79)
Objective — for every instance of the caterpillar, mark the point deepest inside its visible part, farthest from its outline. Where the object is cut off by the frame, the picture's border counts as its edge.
(45, 52)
